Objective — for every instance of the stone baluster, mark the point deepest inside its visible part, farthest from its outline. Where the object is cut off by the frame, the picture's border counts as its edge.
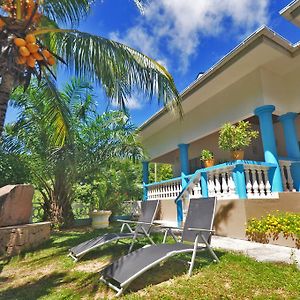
(211, 184)
(284, 179)
(290, 180)
(249, 186)
(261, 184)
(255, 183)
(267, 182)
(217, 184)
(231, 185)
(224, 184)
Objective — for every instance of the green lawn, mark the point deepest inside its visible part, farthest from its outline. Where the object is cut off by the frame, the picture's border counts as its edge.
(47, 273)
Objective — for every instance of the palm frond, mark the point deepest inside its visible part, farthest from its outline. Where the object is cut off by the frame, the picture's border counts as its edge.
(48, 105)
(119, 69)
(66, 11)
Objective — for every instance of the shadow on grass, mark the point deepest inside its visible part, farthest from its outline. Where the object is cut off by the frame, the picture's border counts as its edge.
(173, 267)
(35, 289)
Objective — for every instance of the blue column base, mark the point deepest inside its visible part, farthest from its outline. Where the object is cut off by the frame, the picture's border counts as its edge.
(239, 180)
(275, 179)
(145, 193)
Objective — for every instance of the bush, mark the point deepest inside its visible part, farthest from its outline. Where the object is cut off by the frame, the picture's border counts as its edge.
(236, 137)
(206, 155)
(261, 230)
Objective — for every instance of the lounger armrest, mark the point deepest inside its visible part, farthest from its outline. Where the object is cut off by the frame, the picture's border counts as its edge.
(134, 222)
(171, 227)
(201, 229)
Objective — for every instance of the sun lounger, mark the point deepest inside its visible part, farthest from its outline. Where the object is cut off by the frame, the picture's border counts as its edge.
(196, 236)
(142, 229)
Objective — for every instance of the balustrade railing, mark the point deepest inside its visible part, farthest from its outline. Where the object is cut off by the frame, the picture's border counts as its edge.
(257, 181)
(168, 189)
(222, 182)
(287, 179)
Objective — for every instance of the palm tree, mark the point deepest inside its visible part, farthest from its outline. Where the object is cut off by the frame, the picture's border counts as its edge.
(31, 42)
(92, 141)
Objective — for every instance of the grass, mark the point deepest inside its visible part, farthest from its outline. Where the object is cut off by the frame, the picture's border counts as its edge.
(47, 273)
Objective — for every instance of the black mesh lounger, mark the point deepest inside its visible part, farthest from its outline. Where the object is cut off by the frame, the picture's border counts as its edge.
(196, 236)
(142, 229)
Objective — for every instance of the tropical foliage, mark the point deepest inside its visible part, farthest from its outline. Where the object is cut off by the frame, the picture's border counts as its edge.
(32, 42)
(269, 227)
(160, 172)
(206, 155)
(236, 137)
(92, 142)
(108, 188)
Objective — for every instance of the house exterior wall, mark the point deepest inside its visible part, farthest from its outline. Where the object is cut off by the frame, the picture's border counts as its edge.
(232, 215)
(233, 104)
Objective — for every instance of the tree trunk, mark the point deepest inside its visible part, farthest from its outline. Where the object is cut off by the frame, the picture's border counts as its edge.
(57, 205)
(7, 82)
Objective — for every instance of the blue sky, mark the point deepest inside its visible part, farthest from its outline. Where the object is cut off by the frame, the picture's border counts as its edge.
(187, 36)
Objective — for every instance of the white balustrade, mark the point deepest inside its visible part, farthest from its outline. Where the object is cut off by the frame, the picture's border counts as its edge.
(257, 181)
(287, 179)
(170, 190)
(221, 183)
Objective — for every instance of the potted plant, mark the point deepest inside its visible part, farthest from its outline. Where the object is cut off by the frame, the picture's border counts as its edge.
(207, 157)
(236, 137)
(100, 218)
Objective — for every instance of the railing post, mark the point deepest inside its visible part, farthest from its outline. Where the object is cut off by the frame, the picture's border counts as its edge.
(240, 182)
(145, 179)
(204, 184)
(264, 114)
(184, 166)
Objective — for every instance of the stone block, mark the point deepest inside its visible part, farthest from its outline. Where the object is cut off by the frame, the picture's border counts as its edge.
(14, 239)
(15, 204)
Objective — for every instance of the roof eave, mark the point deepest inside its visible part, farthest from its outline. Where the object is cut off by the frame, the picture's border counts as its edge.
(262, 31)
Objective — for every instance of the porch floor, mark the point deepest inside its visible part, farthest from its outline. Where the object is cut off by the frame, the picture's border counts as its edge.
(258, 251)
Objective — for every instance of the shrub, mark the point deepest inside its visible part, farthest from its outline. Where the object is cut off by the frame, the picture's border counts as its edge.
(270, 226)
(206, 155)
(236, 137)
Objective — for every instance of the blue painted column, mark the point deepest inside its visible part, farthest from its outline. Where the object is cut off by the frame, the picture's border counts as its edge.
(239, 180)
(292, 144)
(204, 185)
(185, 170)
(290, 134)
(145, 179)
(264, 114)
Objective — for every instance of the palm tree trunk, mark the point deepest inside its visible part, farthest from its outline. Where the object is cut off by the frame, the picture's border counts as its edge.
(7, 81)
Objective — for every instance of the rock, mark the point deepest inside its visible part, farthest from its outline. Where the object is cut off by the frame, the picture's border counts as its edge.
(15, 204)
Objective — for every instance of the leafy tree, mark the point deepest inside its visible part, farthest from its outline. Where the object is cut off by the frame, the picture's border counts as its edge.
(32, 41)
(92, 141)
(163, 172)
(14, 168)
(108, 188)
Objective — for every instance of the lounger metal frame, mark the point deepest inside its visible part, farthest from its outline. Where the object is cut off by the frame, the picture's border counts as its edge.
(117, 238)
(199, 245)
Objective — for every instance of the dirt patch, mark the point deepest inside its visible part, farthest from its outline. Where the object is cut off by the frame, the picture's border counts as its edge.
(90, 267)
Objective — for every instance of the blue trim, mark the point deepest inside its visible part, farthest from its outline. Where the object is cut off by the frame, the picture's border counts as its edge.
(145, 179)
(204, 185)
(184, 158)
(264, 114)
(185, 169)
(163, 181)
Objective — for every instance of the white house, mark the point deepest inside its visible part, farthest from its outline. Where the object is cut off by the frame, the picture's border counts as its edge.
(257, 81)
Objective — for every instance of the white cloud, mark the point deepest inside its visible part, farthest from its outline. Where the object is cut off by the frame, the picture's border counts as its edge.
(180, 25)
(132, 103)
